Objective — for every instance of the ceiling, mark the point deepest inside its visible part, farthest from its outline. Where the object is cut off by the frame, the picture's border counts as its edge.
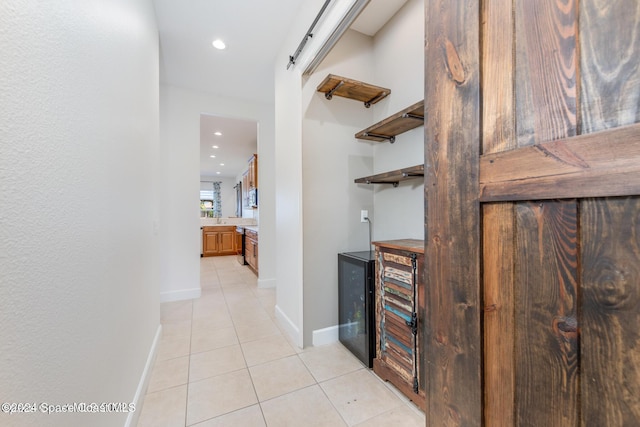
(235, 146)
(254, 32)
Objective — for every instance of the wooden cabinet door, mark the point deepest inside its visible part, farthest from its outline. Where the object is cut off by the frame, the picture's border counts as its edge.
(399, 359)
(227, 242)
(251, 250)
(210, 244)
(253, 171)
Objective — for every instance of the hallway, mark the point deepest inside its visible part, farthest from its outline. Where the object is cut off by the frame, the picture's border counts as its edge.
(223, 361)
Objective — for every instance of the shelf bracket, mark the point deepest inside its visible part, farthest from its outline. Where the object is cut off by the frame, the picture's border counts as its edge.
(391, 139)
(394, 183)
(329, 94)
(367, 104)
(408, 174)
(412, 116)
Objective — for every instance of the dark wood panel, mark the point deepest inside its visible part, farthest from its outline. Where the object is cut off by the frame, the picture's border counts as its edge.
(452, 130)
(611, 312)
(498, 134)
(547, 381)
(589, 165)
(547, 353)
(610, 342)
(546, 61)
(610, 72)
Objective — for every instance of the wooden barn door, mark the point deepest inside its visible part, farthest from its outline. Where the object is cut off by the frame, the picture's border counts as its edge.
(532, 219)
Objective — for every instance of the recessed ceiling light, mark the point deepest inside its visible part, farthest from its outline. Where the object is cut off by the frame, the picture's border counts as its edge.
(219, 44)
(217, 133)
(217, 173)
(221, 164)
(212, 156)
(214, 146)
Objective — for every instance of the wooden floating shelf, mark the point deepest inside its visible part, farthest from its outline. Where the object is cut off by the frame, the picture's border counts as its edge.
(353, 89)
(403, 121)
(393, 177)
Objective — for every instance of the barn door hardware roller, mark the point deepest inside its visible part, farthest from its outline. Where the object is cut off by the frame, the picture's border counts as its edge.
(307, 36)
(413, 323)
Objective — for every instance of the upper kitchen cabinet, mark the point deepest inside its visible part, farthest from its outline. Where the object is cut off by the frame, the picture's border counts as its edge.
(250, 183)
(253, 172)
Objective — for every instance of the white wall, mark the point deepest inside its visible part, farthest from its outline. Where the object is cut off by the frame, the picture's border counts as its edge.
(78, 204)
(331, 159)
(399, 65)
(288, 176)
(180, 111)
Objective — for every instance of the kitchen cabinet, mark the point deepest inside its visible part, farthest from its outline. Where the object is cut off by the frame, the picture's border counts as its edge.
(400, 313)
(218, 240)
(250, 183)
(253, 172)
(251, 249)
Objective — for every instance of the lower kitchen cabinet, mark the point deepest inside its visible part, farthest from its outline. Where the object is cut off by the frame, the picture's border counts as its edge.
(251, 249)
(218, 240)
(400, 311)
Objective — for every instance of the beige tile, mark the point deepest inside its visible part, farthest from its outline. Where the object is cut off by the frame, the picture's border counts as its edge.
(237, 295)
(249, 314)
(402, 416)
(209, 309)
(169, 373)
(219, 395)
(247, 417)
(266, 350)
(307, 407)
(164, 408)
(215, 320)
(253, 331)
(212, 298)
(279, 377)
(176, 329)
(359, 396)
(215, 362)
(330, 361)
(176, 311)
(173, 346)
(204, 340)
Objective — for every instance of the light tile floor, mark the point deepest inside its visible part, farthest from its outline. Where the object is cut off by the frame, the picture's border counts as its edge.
(223, 361)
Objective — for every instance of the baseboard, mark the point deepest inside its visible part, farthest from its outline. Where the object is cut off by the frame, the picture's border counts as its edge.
(289, 327)
(266, 283)
(325, 336)
(138, 399)
(180, 295)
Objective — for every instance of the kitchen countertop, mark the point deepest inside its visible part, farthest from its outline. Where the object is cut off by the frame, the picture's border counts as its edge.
(227, 222)
(251, 227)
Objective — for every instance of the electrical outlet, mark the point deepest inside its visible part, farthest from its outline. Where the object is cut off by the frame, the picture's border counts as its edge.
(364, 215)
